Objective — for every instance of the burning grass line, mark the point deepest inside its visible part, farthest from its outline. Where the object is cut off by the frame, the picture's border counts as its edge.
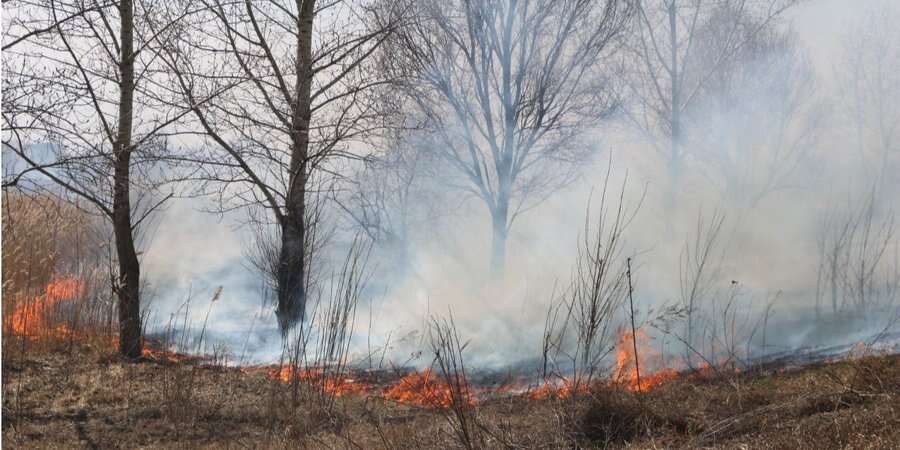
(425, 388)
(31, 319)
(35, 320)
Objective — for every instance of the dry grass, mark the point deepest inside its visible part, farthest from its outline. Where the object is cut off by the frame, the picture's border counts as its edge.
(70, 389)
(92, 398)
(46, 241)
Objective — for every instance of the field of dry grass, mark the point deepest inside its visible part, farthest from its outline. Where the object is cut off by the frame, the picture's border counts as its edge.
(84, 396)
(64, 386)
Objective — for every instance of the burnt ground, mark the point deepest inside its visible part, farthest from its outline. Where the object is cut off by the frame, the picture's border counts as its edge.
(80, 396)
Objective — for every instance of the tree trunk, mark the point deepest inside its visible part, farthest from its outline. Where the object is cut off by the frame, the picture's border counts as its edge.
(499, 219)
(292, 264)
(128, 289)
(675, 156)
(834, 286)
(290, 277)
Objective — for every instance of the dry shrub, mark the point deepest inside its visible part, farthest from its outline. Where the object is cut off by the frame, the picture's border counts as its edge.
(461, 413)
(614, 416)
(55, 291)
(874, 375)
(183, 374)
(32, 227)
(579, 327)
(42, 235)
(825, 403)
(303, 395)
(49, 247)
(609, 417)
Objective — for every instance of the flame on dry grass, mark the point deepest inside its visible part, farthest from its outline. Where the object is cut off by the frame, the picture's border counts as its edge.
(32, 318)
(561, 389)
(335, 384)
(426, 388)
(423, 388)
(643, 371)
(648, 361)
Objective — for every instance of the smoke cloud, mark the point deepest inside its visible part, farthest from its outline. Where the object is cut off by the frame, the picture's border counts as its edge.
(769, 252)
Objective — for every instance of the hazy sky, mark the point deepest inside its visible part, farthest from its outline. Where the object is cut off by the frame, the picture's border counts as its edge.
(822, 24)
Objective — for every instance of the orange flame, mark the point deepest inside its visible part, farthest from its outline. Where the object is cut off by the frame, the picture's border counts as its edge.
(648, 363)
(562, 389)
(420, 388)
(157, 354)
(425, 389)
(32, 318)
(331, 383)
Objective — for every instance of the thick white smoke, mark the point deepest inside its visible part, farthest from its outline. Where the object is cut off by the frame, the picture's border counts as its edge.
(769, 248)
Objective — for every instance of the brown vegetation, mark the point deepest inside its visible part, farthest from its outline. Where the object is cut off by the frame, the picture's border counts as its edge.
(62, 381)
(89, 396)
(50, 256)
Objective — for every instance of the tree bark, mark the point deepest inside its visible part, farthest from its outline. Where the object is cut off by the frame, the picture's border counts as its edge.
(128, 289)
(500, 227)
(675, 156)
(291, 276)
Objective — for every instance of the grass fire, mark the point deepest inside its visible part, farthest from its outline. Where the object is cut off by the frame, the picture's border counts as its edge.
(31, 318)
(450, 224)
(658, 404)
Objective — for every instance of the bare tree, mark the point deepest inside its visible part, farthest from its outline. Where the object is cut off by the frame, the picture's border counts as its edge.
(670, 75)
(869, 74)
(698, 271)
(509, 88)
(30, 104)
(389, 195)
(279, 88)
(854, 256)
(870, 239)
(101, 130)
(832, 236)
(759, 121)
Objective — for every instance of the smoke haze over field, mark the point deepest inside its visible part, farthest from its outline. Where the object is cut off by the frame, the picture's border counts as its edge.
(781, 171)
(767, 248)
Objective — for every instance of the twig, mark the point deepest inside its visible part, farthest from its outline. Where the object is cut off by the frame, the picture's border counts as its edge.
(637, 367)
